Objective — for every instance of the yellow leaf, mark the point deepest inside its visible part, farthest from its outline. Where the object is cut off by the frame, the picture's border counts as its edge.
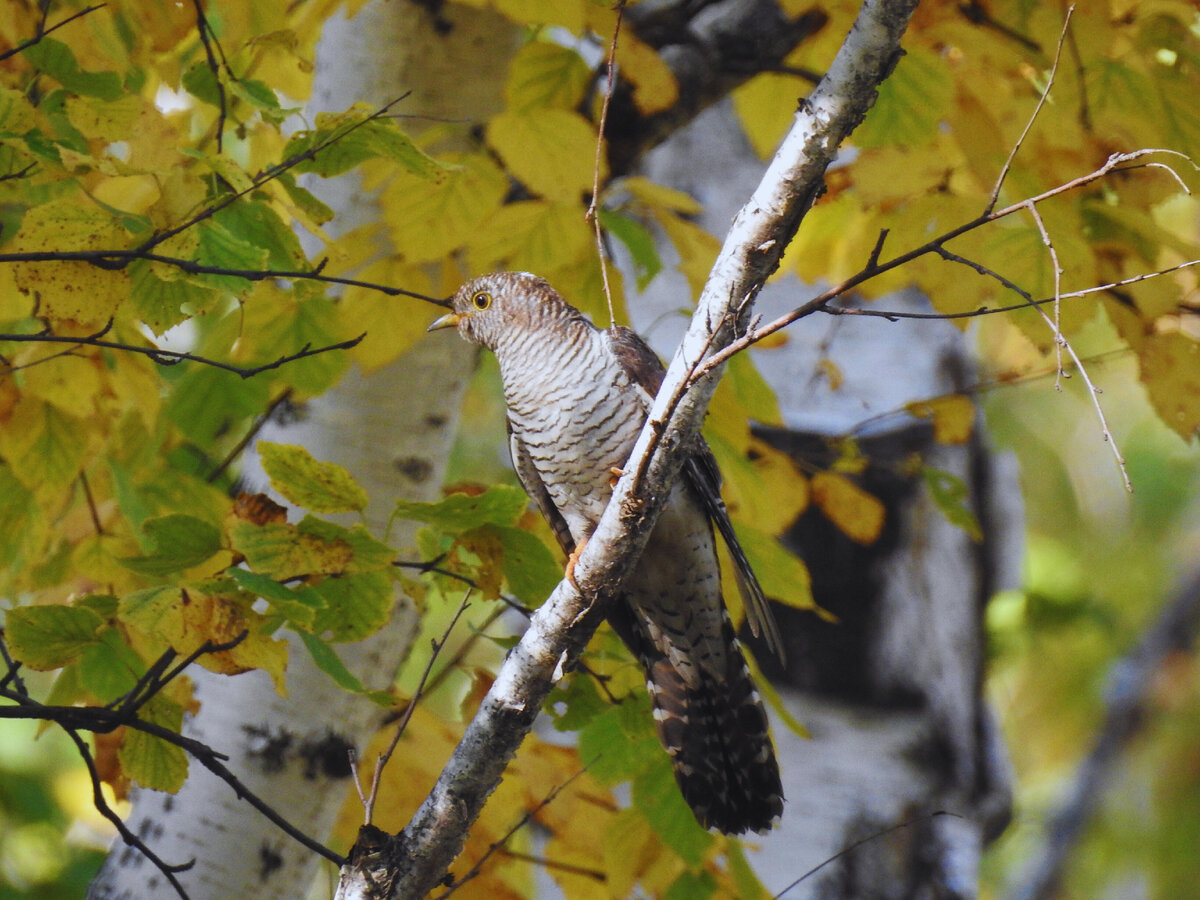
(1170, 369)
(697, 249)
(654, 87)
(44, 447)
(953, 417)
(70, 383)
(69, 290)
(428, 219)
(766, 106)
(783, 575)
(551, 151)
(833, 242)
(392, 324)
(533, 236)
(654, 195)
(17, 114)
(856, 513)
(567, 13)
(132, 193)
(545, 75)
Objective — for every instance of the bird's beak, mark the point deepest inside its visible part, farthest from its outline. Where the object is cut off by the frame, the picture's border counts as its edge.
(449, 320)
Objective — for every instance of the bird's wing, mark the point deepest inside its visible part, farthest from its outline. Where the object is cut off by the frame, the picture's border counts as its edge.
(701, 472)
(528, 475)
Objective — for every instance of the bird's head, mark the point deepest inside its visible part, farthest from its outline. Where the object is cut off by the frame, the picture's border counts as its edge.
(488, 309)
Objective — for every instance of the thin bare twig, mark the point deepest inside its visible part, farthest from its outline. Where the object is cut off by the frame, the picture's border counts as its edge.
(207, 38)
(819, 303)
(174, 357)
(254, 429)
(1012, 154)
(521, 823)
(547, 863)
(102, 720)
(385, 757)
(168, 870)
(1093, 391)
(118, 259)
(590, 215)
(1055, 323)
(871, 837)
(43, 30)
(896, 314)
(268, 175)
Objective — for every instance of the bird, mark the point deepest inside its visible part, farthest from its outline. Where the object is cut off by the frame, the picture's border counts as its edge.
(577, 397)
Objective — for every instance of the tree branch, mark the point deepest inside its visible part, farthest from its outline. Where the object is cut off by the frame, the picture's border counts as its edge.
(711, 48)
(413, 862)
(174, 357)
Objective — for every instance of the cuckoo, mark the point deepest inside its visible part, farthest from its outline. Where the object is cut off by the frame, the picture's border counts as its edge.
(577, 399)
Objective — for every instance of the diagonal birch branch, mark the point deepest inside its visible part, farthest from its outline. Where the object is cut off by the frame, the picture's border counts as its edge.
(410, 864)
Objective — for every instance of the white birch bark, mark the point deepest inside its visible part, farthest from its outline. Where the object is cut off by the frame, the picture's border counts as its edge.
(411, 864)
(393, 431)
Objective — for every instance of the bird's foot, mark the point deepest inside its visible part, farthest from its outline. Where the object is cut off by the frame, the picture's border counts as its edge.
(572, 560)
(615, 476)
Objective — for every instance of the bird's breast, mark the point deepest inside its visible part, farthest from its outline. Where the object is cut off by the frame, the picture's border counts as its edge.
(578, 418)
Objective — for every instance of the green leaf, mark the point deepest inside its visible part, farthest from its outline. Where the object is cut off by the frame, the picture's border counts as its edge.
(110, 669)
(160, 304)
(174, 543)
(58, 61)
(22, 523)
(620, 743)
(575, 702)
(950, 495)
(784, 577)
(745, 882)
(637, 240)
(657, 795)
(259, 95)
(293, 606)
(258, 225)
(323, 487)
(205, 402)
(546, 75)
(498, 505)
(912, 102)
(49, 637)
(42, 445)
(312, 322)
(531, 569)
(146, 608)
(151, 761)
(200, 81)
(349, 139)
(329, 663)
(312, 547)
(353, 607)
(308, 202)
(218, 246)
(692, 886)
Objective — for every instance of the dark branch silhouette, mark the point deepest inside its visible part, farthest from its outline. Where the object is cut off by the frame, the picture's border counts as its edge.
(123, 713)
(174, 357)
(42, 30)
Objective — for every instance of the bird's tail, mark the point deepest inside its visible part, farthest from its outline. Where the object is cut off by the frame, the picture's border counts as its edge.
(715, 731)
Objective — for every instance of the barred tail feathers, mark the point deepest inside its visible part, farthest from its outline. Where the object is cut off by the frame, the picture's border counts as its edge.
(716, 735)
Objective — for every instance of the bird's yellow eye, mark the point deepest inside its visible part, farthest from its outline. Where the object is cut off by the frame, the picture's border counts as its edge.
(482, 300)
